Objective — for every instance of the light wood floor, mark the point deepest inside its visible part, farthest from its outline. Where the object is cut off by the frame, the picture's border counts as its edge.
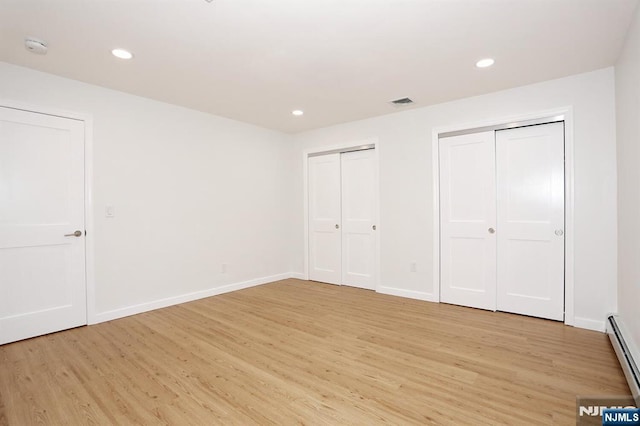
(300, 352)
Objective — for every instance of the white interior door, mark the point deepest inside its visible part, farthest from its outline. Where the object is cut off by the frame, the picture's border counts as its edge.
(325, 253)
(358, 218)
(42, 271)
(467, 219)
(530, 175)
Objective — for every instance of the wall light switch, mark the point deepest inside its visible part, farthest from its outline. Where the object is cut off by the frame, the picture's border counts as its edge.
(109, 211)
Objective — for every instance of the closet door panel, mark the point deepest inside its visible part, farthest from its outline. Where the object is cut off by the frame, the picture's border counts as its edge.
(325, 259)
(358, 218)
(467, 219)
(530, 176)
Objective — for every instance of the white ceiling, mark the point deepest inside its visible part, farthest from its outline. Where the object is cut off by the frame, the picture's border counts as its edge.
(338, 60)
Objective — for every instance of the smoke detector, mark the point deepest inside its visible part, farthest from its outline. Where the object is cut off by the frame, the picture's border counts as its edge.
(401, 102)
(35, 46)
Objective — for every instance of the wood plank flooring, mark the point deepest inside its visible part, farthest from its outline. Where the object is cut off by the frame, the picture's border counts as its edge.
(297, 352)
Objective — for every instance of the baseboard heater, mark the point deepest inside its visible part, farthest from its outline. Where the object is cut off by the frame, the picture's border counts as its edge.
(629, 366)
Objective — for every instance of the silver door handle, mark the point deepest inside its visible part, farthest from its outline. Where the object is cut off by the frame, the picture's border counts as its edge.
(374, 227)
(492, 231)
(75, 234)
(337, 226)
(559, 232)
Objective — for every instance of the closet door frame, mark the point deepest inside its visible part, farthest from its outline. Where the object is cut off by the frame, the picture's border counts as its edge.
(345, 147)
(560, 114)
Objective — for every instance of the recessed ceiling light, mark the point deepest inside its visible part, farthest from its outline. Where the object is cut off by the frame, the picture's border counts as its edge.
(122, 54)
(485, 63)
(297, 112)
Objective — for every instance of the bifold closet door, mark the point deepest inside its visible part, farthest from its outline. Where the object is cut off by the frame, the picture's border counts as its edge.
(358, 218)
(530, 176)
(325, 238)
(467, 220)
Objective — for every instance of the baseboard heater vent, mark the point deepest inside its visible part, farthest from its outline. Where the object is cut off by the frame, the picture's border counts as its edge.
(625, 357)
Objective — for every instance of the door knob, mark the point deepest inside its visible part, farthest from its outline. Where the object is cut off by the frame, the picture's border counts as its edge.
(492, 231)
(373, 227)
(559, 232)
(337, 226)
(75, 234)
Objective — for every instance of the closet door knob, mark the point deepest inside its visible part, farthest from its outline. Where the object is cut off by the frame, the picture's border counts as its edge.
(492, 231)
(337, 226)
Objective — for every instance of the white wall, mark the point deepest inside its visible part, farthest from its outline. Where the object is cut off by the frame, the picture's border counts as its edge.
(406, 182)
(628, 120)
(191, 191)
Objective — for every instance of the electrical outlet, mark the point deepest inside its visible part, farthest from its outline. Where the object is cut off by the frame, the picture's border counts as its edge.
(109, 211)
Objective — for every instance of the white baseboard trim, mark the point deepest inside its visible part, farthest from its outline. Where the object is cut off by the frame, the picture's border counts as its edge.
(589, 324)
(183, 298)
(411, 294)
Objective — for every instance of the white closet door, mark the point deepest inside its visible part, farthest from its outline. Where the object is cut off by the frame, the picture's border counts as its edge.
(42, 271)
(467, 217)
(530, 174)
(358, 218)
(325, 257)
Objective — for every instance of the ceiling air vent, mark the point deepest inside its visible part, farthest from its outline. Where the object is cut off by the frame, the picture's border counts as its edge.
(401, 102)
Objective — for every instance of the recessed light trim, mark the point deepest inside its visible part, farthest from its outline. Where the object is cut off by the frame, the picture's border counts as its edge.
(297, 112)
(122, 53)
(485, 63)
